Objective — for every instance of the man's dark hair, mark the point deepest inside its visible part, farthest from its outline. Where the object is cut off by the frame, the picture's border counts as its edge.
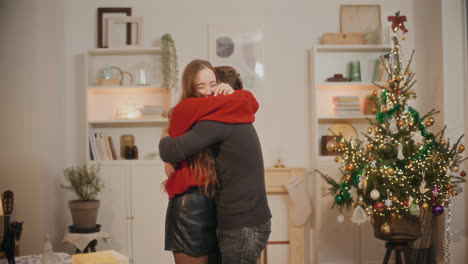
(229, 75)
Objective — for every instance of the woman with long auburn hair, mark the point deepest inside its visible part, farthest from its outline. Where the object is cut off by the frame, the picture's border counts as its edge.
(192, 184)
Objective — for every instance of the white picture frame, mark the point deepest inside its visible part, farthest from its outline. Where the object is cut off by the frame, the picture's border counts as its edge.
(113, 21)
(241, 47)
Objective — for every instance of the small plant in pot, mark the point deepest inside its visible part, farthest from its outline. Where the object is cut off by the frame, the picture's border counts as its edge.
(85, 182)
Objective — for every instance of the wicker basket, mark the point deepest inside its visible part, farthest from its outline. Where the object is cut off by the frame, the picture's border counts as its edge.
(405, 228)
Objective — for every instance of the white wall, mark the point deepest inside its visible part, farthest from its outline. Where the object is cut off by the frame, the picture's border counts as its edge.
(43, 111)
(31, 154)
(455, 111)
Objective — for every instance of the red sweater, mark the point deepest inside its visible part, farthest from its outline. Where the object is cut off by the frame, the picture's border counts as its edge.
(236, 108)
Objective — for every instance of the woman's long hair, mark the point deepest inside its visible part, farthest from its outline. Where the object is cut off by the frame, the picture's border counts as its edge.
(202, 164)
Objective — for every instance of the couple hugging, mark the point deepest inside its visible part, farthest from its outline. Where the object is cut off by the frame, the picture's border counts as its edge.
(218, 210)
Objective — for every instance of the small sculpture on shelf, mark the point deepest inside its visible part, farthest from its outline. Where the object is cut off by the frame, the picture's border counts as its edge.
(337, 77)
(108, 78)
(12, 232)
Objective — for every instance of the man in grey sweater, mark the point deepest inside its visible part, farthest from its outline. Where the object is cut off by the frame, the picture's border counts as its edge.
(242, 208)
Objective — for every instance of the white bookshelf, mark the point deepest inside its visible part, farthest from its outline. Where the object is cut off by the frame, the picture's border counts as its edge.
(324, 62)
(104, 102)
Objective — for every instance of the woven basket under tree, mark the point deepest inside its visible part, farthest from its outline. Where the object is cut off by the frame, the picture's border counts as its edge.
(85, 182)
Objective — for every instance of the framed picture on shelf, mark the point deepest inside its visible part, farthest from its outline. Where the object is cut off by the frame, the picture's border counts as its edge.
(359, 18)
(112, 27)
(103, 13)
(328, 145)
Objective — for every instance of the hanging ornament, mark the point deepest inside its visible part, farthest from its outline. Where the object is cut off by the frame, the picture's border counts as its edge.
(399, 77)
(374, 110)
(414, 209)
(436, 191)
(340, 218)
(405, 203)
(461, 148)
(454, 169)
(341, 145)
(369, 147)
(375, 92)
(385, 228)
(425, 206)
(364, 185)
(390, 171)
(374, 194)
(409, 72)
(349, 167)
(353, 193)
(359, 215)
(399, 91)
(400, 152)
(369, 130)
(347, 178)
(331, 145)
(428, 124)
(401, 123)
(395, 199)
(338, 199)
(463, 173)
(431, 119)
(379, 206)
(437, 210)
(373, 163)
(443, 142)
(393, 126)
(388, 202)
(384, 109)
(337, 159)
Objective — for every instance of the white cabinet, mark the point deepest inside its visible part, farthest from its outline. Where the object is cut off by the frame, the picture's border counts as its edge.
(339, 242)
(133, 203)
(133, 207)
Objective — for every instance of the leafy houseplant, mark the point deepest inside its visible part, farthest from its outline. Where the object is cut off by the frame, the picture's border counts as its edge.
(85, 182)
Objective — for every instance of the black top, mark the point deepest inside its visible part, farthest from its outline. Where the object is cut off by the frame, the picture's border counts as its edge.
(241, 200)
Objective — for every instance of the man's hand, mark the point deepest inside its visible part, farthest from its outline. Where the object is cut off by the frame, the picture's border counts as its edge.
(165, 132)
(168, 169)
(223, 88)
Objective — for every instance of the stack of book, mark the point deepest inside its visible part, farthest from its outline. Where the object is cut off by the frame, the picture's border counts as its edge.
(151, 112)
(347, 105)
(101, 147)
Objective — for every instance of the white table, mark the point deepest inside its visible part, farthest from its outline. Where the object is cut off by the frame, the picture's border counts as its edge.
(81, 241)
(60, 258)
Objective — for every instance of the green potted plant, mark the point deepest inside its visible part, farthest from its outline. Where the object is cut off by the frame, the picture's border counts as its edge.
(85, 182)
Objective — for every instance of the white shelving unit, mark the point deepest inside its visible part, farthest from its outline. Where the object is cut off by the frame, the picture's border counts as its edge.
(328, 235)
(132, 199)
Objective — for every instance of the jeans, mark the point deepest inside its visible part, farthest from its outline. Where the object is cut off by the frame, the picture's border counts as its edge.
(243, 245)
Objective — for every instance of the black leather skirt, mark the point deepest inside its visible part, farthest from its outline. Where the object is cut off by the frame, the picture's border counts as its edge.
(191, 224)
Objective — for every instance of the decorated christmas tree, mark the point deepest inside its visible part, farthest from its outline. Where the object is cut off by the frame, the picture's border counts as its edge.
(400, 168)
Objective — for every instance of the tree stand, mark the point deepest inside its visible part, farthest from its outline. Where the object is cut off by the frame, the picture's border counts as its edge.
(400, 247)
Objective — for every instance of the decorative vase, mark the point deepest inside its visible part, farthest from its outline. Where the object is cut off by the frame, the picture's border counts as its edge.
(403, 228)
(84, 213)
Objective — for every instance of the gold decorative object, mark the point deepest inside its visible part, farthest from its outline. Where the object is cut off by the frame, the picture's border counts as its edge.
(385, 228)
(337, 159)
(455, 169)
(126, 140)
(401, 123)
(375, 92)
(461, 148)
(425, 205)
(390, 170)
(443, 142)
(279, 164)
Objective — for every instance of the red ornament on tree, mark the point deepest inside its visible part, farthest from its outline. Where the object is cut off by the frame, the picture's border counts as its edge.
(405, 203)
(379, 206)
(399, 91)
(463, 173)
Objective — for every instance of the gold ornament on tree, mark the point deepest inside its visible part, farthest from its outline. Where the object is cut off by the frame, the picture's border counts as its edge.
(461, 148)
